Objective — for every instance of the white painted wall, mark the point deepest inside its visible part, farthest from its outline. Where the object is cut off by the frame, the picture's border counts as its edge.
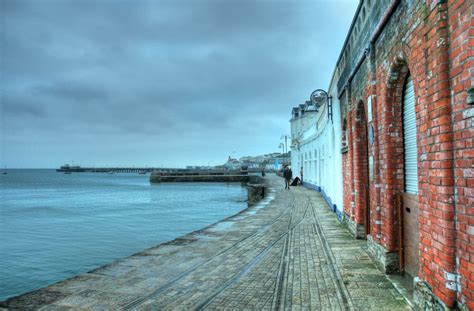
(299, 126)
(320, 149)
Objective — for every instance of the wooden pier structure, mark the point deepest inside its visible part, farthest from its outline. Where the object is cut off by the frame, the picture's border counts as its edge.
(79, 169)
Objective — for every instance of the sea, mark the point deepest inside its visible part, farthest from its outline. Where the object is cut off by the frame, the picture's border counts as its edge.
(54, 226)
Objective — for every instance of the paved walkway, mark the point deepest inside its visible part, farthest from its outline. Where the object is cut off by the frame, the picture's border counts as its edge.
(289, 254)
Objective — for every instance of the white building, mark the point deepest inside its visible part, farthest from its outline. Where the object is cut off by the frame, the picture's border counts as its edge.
(316, 149)
(271, 161)
(232, 164)
(302, 119)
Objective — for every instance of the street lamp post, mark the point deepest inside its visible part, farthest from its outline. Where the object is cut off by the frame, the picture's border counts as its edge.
(285, 146)
(285, 137)
(317, 98)
(282, 146)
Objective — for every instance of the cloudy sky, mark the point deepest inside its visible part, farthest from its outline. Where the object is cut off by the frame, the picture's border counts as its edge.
(159, 83)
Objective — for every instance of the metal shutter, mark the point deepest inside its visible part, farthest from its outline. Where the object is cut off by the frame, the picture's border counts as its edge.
(409, 138)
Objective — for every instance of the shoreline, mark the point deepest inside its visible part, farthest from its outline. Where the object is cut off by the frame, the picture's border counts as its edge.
(287, 252)
(181, 240)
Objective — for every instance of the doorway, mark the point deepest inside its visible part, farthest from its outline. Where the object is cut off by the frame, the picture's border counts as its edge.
(362, 169)
(410, 227)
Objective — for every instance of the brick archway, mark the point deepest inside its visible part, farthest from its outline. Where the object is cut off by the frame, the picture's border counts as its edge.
(392, 157)
(361, 173)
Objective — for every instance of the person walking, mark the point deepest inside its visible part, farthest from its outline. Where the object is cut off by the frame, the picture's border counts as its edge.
(287, 174)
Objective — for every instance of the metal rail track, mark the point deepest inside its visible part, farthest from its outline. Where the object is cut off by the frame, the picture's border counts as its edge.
(342, 292)
(161, 289)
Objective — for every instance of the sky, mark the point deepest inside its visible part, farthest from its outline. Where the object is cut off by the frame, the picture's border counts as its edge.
(159, 83)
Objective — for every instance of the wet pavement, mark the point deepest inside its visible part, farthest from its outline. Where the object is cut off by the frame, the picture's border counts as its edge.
(288, 252)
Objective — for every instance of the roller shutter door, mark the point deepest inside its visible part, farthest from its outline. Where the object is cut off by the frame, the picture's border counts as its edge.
(409, 138)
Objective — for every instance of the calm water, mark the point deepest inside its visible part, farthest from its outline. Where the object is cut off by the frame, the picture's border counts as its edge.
(54, 226)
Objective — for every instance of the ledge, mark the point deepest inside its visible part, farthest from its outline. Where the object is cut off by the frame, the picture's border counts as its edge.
(386, 261)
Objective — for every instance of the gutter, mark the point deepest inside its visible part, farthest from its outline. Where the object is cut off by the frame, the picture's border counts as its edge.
(383, 22)
(361, 59)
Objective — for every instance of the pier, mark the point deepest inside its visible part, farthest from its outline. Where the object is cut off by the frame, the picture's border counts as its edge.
(156, 170)
(80, 169)
(288, 252)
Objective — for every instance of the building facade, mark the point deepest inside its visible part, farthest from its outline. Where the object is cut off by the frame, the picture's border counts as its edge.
(315, 153)
(402, 95)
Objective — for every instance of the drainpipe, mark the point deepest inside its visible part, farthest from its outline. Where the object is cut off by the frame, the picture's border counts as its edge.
(442, 69)
(383, 22)
(359, 62)
(377, 230)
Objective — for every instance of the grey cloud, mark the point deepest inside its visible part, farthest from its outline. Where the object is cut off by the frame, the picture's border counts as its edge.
(15, 108)
(165, 72)
(71, 90)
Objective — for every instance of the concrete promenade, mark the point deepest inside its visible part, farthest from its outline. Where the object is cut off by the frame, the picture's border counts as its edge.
(289, 254)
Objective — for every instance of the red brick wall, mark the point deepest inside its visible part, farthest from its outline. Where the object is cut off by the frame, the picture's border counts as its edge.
(433, 41)
(346, 167)
(461, 53)
(438, 231)
(390, 148)
(348, 171)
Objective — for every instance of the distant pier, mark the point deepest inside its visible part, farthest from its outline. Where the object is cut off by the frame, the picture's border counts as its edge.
(79, 169)
(157, 171)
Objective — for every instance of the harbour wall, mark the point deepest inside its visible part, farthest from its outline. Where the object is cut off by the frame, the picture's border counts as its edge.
(256, 185)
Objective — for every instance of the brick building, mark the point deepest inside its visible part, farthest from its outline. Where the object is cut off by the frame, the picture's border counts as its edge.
(403, 86)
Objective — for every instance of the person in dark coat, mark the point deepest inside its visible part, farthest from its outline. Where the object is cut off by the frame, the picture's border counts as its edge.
(287, 174)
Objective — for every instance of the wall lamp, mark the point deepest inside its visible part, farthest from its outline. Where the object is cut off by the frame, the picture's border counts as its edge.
(317, 98)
